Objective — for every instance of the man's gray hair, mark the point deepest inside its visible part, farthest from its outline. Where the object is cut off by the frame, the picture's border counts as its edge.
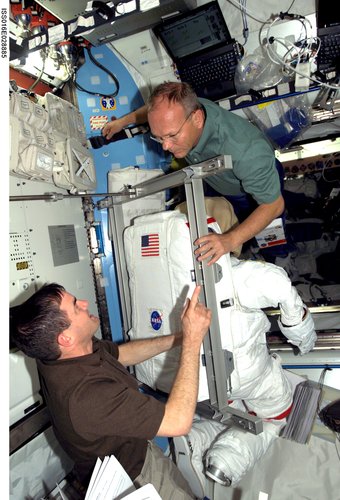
(174, 92)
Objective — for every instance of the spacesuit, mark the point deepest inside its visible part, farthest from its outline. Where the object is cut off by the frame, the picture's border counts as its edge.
(262, 383)
(225, 455)
(160, 263)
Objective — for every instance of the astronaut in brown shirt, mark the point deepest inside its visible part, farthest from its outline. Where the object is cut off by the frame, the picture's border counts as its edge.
(94, 402)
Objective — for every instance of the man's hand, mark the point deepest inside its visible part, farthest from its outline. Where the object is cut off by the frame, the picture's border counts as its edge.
(182, 401)
(111, 128)
(196, 319)
(138, 116)
(213, 246)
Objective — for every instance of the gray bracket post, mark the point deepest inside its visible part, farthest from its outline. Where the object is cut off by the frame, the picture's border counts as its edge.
(219, 362)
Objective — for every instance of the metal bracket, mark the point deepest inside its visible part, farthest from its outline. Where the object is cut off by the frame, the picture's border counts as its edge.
(250, 423)
(242, 419)
(219, 362)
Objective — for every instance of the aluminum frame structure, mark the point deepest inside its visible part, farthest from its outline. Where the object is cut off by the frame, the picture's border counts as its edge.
(219, 362)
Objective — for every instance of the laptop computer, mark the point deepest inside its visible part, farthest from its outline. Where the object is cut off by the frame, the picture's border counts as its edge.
(328, 30)
(203, 50)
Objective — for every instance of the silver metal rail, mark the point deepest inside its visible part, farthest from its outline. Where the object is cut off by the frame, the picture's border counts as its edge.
(219, 362)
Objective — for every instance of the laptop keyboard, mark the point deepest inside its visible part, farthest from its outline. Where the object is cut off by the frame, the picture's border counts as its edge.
(329, 53)
(217, 69)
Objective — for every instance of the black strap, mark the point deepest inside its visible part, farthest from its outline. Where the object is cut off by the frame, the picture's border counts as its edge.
(97, 141)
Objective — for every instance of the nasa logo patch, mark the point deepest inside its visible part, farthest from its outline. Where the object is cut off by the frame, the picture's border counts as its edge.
(156, 320)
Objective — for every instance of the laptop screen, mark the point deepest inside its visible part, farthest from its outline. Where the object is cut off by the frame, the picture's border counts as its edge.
(326, 14)
(200, 29)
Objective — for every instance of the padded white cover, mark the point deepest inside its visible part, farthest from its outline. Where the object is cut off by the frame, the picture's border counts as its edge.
(119, 178)
(160, 279)
(236, 451)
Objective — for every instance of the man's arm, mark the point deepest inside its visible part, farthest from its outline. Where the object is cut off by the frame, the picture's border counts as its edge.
(213, 246)
(181, 404)
(137, 351)
(138, 116)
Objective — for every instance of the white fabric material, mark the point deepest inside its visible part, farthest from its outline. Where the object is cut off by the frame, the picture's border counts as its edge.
(302, 335)
(288, 470)
(190, 450)
(200, 437)
(36, 467)
(263, 383)
(231, 450)
(235, 451)
(261, 284)
(159, 286)
(121, 178)
(243, 457)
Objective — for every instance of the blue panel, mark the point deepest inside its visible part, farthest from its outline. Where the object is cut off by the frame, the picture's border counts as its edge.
(139, 151)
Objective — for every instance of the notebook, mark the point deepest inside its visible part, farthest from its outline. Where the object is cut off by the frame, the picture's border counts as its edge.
(328, 30)
(205, 54)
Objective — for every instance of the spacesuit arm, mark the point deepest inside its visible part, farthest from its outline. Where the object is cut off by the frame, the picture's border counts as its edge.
(302, 334)
(260, 285)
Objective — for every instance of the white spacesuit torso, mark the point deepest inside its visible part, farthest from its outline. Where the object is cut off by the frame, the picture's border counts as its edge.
(160, 267)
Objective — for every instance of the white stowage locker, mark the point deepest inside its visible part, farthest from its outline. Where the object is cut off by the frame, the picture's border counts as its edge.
(48, 243)
(48, 143)
(120, 179)
(161, 277)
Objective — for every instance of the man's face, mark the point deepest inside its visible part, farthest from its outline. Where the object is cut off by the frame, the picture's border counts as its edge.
(176, 130)
(83, 324)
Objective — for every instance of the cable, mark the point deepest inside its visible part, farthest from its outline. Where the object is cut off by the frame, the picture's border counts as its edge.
(312, 79)
(94, 60)
(306, 52)
(337, 441)
(249, 13)
(300, 50)
(324, 178)
(291, 5)
(305, 49)
(321, 383)
(243, 9)
(35, 83)
(323, 295)
(241, 5)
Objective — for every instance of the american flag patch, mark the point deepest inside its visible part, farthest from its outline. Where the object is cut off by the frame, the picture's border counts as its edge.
(150, 245)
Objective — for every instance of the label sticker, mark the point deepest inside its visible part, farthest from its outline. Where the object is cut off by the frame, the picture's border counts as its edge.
(98, 122)
(272, 235)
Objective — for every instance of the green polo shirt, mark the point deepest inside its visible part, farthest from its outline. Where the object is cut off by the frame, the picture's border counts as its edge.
(253, 158)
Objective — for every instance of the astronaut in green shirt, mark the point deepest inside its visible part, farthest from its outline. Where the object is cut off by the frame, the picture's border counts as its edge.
(197, 129)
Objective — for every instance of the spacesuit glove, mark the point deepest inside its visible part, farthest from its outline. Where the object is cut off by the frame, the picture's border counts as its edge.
(302, 335)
